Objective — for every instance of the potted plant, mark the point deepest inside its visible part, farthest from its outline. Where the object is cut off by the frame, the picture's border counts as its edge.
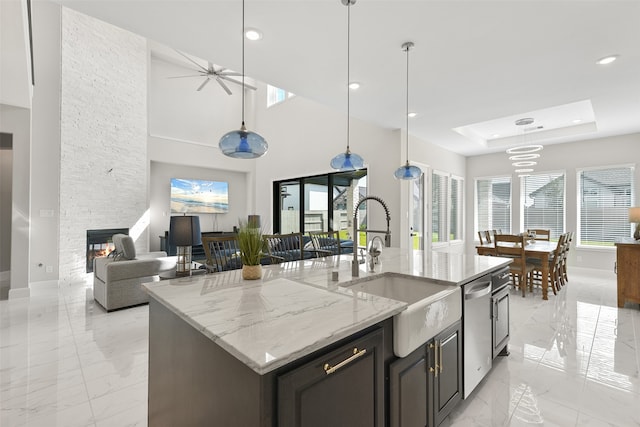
(250, 245)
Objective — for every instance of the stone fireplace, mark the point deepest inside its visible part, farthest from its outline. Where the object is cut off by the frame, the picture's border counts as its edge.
(99, 243)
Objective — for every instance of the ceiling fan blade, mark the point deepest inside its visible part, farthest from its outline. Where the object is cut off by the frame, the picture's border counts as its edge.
(181, 77)
(247, 85)
(192, 61)
(203, 84)
(224, 86)
(228, 73)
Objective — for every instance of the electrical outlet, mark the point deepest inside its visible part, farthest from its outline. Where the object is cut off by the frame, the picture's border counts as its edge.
(49, 269)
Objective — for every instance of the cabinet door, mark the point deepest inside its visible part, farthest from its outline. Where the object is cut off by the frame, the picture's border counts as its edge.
(447, 379)
(500, 321)
(408, 389)
(342, 388)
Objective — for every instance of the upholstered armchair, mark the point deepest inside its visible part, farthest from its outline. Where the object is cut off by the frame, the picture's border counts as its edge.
(117, 278)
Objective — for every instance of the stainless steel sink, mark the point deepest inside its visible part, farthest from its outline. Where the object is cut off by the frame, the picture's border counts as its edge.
(432, 308)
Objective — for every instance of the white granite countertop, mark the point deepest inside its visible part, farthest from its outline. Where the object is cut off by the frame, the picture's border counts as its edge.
(296, 308)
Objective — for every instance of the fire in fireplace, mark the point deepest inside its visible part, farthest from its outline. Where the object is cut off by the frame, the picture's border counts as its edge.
(99, 243)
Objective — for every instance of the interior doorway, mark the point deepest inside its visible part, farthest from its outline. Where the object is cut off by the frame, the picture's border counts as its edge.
(6, 183)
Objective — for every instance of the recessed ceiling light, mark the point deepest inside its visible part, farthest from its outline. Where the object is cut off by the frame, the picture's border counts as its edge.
(354, 85)
(576, 121)
(412, 114)
(607, 59)
(495, 135)
(253, 34)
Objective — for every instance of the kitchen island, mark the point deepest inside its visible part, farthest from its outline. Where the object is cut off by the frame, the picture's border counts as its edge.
(222, 351)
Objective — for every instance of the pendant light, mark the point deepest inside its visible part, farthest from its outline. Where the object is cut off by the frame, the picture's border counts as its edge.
(407, 172)
(243, 144)
(347, 161)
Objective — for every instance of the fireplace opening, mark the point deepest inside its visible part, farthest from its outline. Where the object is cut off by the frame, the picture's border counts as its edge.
(99, 243)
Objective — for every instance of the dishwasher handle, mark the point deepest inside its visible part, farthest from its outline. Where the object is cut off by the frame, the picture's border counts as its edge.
(477, 290)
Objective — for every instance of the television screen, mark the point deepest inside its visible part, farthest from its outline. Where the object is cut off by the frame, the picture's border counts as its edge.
(199, 196)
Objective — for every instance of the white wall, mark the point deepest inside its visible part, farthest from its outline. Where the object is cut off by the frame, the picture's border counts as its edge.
(45, 158)
(303, 136)
(159, 192)
(568, 157)
(103, 133)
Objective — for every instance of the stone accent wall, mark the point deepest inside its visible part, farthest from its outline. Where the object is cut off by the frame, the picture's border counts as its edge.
(103, 159)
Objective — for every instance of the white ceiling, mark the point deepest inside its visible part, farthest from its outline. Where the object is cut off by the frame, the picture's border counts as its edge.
(473, 62)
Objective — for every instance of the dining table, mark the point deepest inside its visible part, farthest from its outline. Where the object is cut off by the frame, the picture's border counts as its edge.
(540, 249)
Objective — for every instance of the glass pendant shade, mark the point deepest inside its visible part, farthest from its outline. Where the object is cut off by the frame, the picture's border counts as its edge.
(347, 161)
(408, 172)
(243, 144)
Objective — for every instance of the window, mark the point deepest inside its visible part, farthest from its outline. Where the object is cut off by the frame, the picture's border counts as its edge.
(275, 95)
(542, 201)
(493, 204)
(455, 209)
(605, 196)
(319, 203)
(439, 189)
(446, 207)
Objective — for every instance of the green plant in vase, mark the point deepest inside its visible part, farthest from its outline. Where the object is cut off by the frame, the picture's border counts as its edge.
(250, 245)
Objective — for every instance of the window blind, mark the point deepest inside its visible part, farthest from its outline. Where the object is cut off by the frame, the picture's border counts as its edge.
(439, 187)
(542, 199)
(493, 204)
(605, 198)
(455, 209)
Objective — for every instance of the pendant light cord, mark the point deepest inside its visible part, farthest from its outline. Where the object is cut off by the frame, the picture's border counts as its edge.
(407, 118)
(243, 91)
(348, 68)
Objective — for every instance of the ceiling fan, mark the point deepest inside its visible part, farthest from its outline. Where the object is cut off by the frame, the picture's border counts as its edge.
(220, 75)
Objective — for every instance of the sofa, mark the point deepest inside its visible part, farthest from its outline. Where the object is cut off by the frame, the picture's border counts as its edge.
(117, 278)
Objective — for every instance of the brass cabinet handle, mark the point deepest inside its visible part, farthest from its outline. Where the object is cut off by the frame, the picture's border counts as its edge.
(440, 347)
(328, 369)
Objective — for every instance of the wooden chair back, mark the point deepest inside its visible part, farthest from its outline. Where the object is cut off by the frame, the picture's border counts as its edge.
(326, 241)
(512, 246)
(222, 253)
(284, 247)
(541, 233)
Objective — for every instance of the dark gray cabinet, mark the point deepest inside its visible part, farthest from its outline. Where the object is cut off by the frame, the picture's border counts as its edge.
(500, 321)
(342, 388)
(425, 386)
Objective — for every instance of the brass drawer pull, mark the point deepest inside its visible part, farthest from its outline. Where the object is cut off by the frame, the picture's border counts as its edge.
(356, 355)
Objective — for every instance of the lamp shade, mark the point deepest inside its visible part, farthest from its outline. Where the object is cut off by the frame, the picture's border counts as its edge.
(184, 231)
(243, 144)
(347, 161)
(634, 215)
(408, 172)
(253, 221)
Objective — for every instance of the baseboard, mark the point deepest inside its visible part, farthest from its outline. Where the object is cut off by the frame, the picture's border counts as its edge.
(5, 275)
(19, 293)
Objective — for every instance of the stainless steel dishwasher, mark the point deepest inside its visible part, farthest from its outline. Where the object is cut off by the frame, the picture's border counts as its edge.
(477, 326)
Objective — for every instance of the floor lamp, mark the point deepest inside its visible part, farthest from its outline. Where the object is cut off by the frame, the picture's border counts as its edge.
(184, 232)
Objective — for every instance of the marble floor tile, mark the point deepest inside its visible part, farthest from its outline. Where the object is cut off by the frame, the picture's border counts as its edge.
(573, 361)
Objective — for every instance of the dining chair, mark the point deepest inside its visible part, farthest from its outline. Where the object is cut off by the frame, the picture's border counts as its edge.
(222, 253)
(541, 233)
(555, 279)
(481, 237)
(290, 247)
(487, 235)
(325, 241)
(567, 247)
(512, 246)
